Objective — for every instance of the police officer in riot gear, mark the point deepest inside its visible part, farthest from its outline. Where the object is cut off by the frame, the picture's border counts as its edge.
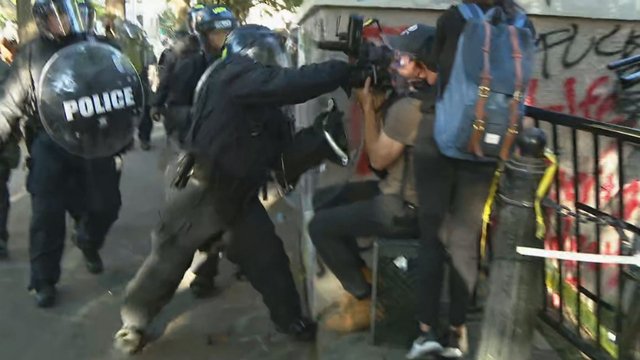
(60, 181)
(132, 41)
(187, 61)
(239, 134)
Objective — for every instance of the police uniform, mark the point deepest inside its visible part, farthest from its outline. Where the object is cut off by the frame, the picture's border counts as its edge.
(232, 165)
(58, 181)
(181, 69)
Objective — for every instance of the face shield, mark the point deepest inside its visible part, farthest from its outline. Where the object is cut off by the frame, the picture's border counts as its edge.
(87, 15)
(57, 19)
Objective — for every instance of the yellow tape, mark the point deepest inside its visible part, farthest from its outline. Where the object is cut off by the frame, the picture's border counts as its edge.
(541, 192)
(488, 206)
(543, 188)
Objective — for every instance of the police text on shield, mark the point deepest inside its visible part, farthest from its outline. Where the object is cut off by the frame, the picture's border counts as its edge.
(98, 104)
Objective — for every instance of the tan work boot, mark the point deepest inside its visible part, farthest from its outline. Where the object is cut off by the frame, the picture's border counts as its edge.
(354, 316)
(368, 275)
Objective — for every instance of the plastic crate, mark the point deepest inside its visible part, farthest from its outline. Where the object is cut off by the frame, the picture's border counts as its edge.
(395, 278)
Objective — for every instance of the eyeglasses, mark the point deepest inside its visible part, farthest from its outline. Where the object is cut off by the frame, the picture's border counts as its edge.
(402, 59)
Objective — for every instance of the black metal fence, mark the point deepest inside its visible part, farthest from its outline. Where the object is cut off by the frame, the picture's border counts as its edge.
(599, 178)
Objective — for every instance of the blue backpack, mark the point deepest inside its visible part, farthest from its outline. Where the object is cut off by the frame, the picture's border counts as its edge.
(480, 112)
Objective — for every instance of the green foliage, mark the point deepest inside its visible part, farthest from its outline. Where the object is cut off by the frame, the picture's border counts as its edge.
(169, 22)
(241, 7)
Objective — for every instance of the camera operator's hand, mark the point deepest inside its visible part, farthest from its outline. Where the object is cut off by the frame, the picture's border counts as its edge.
(369, 100)
(364, 96)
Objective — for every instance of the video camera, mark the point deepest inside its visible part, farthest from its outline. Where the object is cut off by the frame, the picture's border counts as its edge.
(370, 60)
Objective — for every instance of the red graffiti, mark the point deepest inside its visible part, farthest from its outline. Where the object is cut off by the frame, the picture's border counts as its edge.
(597, 102)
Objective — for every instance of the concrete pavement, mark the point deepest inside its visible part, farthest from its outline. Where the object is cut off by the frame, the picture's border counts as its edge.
(233, 325)
(230, 326)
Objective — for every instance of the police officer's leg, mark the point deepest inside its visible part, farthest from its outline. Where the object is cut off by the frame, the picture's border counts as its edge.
(47, 182)
(144, 129)
(186, 224)
(98, 208)
(5, 203)
(255, 247)
(9, 159)
(204, 282)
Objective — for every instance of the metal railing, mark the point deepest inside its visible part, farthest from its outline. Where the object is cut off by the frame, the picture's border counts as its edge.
(582, 301)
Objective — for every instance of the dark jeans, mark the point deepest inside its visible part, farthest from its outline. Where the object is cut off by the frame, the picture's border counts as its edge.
(60, 182)
(453, 193)
(145, 126)
(358, 210)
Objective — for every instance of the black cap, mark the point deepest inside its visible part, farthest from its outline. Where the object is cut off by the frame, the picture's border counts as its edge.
(416, 40)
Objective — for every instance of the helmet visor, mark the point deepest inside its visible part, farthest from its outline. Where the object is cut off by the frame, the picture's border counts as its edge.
(87, 16)
(63, 18)
(266, 50)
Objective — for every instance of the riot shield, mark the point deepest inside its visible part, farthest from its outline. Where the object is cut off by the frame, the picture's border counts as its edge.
(90, 99)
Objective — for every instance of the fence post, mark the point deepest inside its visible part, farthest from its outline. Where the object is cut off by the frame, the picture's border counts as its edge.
(515, 282)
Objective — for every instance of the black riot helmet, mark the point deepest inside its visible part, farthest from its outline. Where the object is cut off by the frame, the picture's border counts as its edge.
(192, 17)
(259, 43)
(58, 19)
(213, 18)
(88, 15)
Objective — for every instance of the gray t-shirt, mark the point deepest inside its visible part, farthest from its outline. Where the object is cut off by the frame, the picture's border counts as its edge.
(401, 124)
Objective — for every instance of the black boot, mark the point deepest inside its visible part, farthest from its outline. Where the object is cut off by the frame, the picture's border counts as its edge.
(4, 249)
(331, 125)
(145, 145)
(302, 329)
(325, 140)
(46, 296)
(202, 287)
(93, 261)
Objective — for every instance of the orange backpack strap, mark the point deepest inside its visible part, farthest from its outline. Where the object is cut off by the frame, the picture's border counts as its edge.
(518, 97)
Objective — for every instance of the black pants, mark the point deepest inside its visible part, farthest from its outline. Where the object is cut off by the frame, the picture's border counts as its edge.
(59, 183)
(453, 194)
(176, 122)
(5, 202)
(358, 210)
(145, 126)
(191, 220)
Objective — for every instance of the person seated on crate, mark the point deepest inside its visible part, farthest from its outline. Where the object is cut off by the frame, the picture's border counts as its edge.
(385, 208)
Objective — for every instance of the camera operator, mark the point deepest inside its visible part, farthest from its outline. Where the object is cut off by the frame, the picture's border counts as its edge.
(377, 208)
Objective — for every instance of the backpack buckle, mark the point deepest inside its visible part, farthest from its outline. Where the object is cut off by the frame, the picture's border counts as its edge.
(478, 125)
(518, 96)
(513, 130)
(484, 91)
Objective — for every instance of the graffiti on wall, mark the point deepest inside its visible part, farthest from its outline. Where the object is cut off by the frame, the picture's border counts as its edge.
(569, 45)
